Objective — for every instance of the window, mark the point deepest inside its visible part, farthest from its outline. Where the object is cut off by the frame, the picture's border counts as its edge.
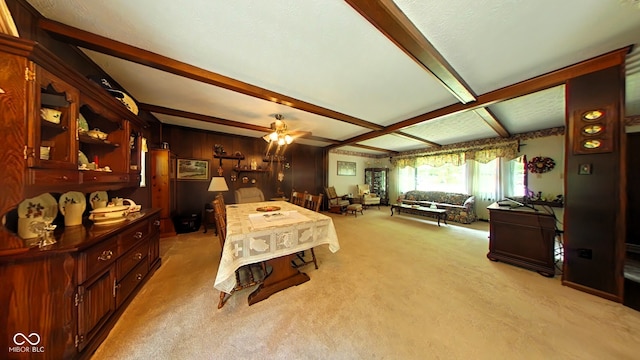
(447, 178)
(486, 184)
(442, 178)
(143, 162)
(517, 176)
(406, 179)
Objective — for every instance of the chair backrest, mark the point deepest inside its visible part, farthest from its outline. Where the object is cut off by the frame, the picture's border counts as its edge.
(332, 196)
(363, 189)
(313, 202)
(248, 195)
(298, 198)
(221, 222)
(331, 192)
(221, 205)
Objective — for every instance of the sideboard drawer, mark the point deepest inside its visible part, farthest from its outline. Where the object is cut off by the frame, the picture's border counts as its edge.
(132, 236)
(97, 258)
(131, 281)
(53, 177)
(104, 177)
(129, 260)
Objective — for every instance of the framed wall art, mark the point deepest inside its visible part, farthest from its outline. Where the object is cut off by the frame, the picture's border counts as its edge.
(346, 168)
(192, 169)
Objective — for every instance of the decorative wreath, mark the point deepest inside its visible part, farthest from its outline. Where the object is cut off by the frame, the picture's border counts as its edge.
(541, 164)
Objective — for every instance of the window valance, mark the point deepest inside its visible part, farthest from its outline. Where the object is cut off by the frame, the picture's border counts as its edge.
(482, 152)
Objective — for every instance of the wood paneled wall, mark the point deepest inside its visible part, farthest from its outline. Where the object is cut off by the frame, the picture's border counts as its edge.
(303, 172)
(595, 203)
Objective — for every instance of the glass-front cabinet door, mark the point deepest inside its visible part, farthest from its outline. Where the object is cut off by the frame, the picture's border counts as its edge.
(52, 127)
(377, 179)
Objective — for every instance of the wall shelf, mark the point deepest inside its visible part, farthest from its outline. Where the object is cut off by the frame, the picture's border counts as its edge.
(240, 170)
(231, 157)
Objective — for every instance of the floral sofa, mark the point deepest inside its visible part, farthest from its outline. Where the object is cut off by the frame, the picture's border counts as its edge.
(460, 207)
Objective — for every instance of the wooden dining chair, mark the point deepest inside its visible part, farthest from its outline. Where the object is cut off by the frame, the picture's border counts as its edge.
(312, 202)
(247, 275)
(298, 198)
(221, 204)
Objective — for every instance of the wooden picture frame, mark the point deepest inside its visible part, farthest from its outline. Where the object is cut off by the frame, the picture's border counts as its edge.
(346, 168)
(192, 169)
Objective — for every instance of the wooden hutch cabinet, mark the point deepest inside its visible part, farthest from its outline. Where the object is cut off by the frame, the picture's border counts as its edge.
(72, 292)
(378, 181)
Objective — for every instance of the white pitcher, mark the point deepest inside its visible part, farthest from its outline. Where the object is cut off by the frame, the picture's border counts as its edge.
(72, 214)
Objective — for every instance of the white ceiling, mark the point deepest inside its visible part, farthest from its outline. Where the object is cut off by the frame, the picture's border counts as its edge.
(325, 53)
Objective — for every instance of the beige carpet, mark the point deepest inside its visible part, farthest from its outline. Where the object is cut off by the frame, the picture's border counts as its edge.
(399, 288)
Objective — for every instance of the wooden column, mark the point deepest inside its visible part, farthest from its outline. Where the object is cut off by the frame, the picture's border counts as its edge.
(595, 202)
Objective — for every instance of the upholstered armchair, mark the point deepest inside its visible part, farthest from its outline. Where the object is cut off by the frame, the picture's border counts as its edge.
(337, 204)
(248, 195)
(366, 197)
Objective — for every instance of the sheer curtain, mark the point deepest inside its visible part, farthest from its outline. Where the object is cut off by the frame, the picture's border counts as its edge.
(494, 181)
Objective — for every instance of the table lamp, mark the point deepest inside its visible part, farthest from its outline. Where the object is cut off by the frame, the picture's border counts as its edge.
(218, 184)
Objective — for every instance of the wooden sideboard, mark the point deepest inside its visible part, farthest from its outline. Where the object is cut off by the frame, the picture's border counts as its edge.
(523, 237)
(71, 293)
(65, 298)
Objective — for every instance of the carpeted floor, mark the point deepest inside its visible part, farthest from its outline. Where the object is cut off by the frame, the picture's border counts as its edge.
(399, 288)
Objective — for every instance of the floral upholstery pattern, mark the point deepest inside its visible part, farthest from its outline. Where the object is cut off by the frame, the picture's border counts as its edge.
(460, 207)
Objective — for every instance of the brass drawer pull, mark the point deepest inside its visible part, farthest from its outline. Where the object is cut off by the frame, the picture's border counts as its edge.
(138, 235)
(138, 276)
(63, 177)
(137, 256)
(106, 255)
(156, 223)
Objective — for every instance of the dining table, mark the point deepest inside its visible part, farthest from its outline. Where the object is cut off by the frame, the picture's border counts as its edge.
(274, 232)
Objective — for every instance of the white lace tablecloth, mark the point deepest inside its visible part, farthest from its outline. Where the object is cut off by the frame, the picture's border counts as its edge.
(254, 236)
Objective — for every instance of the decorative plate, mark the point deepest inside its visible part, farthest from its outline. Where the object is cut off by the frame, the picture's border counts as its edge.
(268, 208)
(83, 126)
(38, 206)
(72, 197)
(82, 159)
(98, 196)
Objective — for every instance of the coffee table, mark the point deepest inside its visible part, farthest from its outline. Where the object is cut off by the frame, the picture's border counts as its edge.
(440, 214)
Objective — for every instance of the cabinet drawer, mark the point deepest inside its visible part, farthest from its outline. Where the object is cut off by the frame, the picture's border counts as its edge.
(53, 177)
(132, 236)
(129, 260)
(131, 281)
(97, 258)
(104, 177)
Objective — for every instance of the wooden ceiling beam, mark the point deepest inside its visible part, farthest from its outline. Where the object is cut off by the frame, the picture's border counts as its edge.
(417, 138)
(373, 148)
(216, 120)
(134, 54)
(492, 120)
(385, 16)
(539, 83)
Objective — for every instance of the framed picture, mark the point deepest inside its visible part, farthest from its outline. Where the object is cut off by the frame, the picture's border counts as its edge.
(346, 168)
(192, 169)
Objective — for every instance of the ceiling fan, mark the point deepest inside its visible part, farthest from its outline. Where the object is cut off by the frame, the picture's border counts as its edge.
(280, 137)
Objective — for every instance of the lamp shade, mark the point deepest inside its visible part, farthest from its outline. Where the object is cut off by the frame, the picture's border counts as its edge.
(218, 184)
